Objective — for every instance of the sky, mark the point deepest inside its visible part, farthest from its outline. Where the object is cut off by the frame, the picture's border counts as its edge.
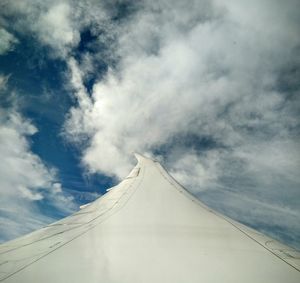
(209, 88)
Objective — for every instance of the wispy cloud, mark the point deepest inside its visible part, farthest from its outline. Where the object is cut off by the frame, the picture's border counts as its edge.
(3, 81)
(25, 180)
(7, 41)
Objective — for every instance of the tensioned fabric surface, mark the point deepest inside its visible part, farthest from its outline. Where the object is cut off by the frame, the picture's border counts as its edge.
(147, 229)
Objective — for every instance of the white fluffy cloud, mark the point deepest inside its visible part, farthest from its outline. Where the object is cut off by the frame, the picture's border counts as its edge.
(50, 22)
(54, 28)
(56, 24)
(25, 179)
(215, 88)
(205, 73)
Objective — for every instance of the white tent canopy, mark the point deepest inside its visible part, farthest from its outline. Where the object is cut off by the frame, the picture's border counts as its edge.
(147, 229)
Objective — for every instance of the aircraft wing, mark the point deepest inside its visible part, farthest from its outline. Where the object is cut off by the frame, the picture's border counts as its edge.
(147, 229)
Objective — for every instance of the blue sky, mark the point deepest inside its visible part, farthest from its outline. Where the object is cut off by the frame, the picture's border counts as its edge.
(211, 89)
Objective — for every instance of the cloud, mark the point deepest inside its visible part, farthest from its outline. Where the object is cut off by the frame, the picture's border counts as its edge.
(279, 222)
(200, 66)
(25, 180)
(49, 21)
(213, 91)
(3, 81)
(209, 87)
(56, 24)
(55, 28)
(7, 41)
